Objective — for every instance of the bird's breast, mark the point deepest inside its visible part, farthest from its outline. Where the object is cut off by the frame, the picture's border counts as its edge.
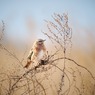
(40, 55)
(38, 49)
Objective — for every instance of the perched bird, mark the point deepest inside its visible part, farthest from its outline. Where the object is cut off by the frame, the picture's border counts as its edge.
(38, 46)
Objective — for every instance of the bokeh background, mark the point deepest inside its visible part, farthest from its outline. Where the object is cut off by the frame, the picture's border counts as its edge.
(24, 21)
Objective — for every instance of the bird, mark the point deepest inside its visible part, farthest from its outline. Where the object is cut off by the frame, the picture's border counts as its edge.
(37, 47)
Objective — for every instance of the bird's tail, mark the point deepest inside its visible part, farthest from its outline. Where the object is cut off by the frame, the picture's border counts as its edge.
(27, 65)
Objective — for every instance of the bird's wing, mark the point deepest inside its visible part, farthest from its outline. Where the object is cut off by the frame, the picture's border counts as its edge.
(30, 54)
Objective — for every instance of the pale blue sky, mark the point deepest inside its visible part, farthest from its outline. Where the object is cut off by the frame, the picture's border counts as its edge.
(14, 12)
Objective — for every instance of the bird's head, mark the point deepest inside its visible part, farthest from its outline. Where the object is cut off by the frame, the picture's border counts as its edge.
(40, 42)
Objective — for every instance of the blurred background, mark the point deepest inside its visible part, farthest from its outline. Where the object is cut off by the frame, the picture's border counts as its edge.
(24, 23)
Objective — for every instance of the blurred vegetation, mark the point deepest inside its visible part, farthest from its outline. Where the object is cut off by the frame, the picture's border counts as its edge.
(69, 68)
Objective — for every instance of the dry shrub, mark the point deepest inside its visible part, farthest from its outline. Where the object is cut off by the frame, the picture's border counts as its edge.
(55, 75)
